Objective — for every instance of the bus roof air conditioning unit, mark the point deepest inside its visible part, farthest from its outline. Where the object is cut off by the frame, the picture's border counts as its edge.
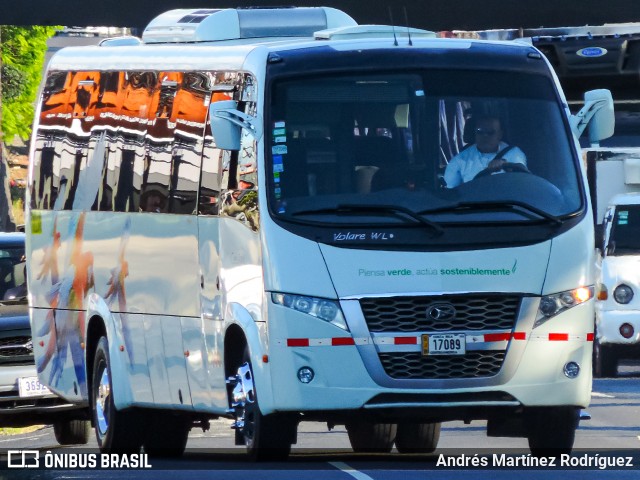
(352, 32)
(208, 25)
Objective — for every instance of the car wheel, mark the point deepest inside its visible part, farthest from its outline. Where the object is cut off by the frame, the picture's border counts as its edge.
(417, 437)
(368, 437)
(72, 432)
(551, 431)
(166, 435)
(116, 431)
(605, 361)
(266, 437)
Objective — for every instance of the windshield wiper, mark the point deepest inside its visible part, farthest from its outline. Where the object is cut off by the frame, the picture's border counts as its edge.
(399, 212)
(464, 207)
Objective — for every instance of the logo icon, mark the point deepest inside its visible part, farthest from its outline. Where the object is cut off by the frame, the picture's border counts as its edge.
(592, 52)
(441, 311)
(23, 459)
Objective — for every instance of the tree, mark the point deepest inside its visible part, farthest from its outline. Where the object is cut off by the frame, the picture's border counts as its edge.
(23, 51)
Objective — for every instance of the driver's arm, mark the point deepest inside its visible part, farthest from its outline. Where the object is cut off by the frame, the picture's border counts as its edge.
(452, 174)
(514, 155)
(497, 163)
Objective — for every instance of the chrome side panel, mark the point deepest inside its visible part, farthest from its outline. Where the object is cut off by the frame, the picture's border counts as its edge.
(211, 327)
(101, 264)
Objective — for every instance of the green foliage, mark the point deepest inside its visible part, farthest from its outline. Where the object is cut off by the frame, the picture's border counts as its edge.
(23, 50)
(13, 80)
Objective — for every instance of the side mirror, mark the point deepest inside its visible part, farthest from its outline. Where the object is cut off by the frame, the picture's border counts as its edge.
(599, 237)
(597, 113)
(227, 123)
(603, 122)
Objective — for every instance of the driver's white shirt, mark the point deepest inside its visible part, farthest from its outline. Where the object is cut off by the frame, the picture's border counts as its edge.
(471, 161)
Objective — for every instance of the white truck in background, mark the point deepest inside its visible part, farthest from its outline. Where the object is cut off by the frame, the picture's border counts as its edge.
(614, 179)
(593, 57)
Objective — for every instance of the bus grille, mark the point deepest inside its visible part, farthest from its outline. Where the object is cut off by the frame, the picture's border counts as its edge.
(415, 366)
(409, 314)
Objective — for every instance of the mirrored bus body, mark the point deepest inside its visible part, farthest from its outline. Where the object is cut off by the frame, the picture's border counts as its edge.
(263, 230)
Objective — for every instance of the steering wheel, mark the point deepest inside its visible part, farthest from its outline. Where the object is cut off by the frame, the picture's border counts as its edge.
(507, 167)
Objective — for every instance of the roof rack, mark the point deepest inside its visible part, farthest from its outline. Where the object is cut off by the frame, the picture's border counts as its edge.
(207, 25)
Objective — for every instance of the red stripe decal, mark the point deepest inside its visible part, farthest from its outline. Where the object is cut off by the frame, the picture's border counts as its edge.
(497, 337)
(405, 340)
(342, 341)
(558, 337)
(519, 336)
(589, 337)
(297, 342)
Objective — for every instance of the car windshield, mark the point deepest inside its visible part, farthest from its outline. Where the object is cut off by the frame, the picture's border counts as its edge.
(625, 231)
(13, 281)
(342, 146)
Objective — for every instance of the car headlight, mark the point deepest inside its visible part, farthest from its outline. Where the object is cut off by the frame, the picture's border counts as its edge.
(623, 294)
(327, 310)
(552, 305)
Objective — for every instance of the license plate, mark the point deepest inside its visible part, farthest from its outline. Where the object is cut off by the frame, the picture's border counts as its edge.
(444, 344)
(31, 387)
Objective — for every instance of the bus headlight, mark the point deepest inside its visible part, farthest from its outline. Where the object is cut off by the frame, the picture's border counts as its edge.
(552, 305)
(623, 294)
(327, 310)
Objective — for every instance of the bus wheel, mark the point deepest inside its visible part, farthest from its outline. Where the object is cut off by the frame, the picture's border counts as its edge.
(115, 431)
(266, 437)
(605, 361)
(551, 430)
(367, 437)
(166, 435)
(72, 432)
(417, 437)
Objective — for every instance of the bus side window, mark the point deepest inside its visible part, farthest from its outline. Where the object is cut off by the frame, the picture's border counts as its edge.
(210, 176)
(184, 100)
(43, 192)
(124, 198)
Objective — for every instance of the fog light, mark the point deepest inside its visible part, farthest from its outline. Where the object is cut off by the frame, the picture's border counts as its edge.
(626, 330)
(305, 375)
(571, 369)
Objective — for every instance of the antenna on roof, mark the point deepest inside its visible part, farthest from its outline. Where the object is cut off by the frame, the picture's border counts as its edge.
(406, 22)
(395, 40)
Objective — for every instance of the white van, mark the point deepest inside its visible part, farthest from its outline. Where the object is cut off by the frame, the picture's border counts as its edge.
(244, 214)
(618, 308)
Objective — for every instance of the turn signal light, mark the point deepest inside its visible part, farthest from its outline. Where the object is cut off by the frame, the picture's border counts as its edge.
(603, 293)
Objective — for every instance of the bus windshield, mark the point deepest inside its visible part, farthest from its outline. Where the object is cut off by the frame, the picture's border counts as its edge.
(349, 149)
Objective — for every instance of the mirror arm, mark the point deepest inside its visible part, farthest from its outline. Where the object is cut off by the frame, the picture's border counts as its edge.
(242, 120)
(580, 120)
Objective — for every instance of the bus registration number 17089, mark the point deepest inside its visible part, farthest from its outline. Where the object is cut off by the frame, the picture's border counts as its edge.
(444, 344)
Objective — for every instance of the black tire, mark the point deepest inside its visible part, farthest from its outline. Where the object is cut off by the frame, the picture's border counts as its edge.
(116, 431)
(605, 361)
(72, 432)
(266, 437)
(418, 437)
(166, 435)
(551, 431)
(368, 437)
